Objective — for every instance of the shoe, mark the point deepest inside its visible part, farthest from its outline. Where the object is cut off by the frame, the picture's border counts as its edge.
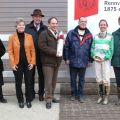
(81, 100)
(29, 105)
(21, 105)
(48, 105)
(3, 100)
(55, 100)
(41, 98)
(72, 98)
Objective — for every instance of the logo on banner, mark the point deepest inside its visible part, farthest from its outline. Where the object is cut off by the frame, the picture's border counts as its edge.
(85, 8)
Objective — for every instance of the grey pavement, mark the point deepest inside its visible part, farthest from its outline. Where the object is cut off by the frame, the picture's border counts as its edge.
(11, 111)
(66, 110)
(90, 110)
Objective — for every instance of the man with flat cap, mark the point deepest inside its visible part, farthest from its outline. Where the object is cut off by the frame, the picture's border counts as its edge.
(35, 27)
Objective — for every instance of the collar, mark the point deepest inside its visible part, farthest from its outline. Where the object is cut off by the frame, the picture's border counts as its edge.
(36, 25)
(55, 33)
(32, 24)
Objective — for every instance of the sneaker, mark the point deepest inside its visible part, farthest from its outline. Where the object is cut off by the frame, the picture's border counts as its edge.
(72, 98)
(81, 100)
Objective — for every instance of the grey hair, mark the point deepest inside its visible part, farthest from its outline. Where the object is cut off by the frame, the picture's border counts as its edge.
(19, 20)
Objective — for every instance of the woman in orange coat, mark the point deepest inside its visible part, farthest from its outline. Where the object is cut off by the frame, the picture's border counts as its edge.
(22, 59)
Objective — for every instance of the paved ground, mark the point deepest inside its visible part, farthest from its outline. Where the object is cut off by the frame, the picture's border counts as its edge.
(89, 110)
(11, 111)
(66, 110)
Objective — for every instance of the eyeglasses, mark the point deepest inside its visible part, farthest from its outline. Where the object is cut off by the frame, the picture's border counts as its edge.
(83, 21)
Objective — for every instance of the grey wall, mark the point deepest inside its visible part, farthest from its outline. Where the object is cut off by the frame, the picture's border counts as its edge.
(11, 9)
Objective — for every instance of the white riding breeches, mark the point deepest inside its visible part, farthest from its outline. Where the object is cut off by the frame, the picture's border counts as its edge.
(102, 71)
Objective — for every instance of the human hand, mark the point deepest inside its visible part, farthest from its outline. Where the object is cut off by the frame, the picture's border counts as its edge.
(15, 67)
(58, 54)
(30, 66)
(99, 61)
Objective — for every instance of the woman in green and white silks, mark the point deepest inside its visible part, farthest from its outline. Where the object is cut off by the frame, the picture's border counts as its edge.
(101, 52)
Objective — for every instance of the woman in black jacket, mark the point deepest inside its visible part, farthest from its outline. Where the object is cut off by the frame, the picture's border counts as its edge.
(2, 52)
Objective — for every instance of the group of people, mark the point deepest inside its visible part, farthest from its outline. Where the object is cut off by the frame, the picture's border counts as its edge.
(35, 45)
(81, 49)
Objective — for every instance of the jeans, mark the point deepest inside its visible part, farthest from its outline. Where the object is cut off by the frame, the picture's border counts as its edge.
(77, 90)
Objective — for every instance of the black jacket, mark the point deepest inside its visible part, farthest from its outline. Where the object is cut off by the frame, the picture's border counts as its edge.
(35, 34)
(32, 30)
(2, 52)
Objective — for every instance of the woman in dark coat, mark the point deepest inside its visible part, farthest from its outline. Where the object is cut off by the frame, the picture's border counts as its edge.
(2, 52)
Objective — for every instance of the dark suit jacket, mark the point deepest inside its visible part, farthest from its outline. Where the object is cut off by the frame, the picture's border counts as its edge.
(2, 52)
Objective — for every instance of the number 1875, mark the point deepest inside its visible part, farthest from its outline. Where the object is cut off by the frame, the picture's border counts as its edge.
(110, 9)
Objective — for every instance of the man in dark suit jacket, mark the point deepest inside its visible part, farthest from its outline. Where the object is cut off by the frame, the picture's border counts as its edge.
(35, 27)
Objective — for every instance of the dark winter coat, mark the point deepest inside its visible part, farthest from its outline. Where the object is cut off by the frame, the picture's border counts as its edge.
(76, 51)
(30, 28)
(116, 55)
(2, 52)
(48, 46)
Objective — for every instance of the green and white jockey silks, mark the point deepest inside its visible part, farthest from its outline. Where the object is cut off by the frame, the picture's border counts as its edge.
(102, 47)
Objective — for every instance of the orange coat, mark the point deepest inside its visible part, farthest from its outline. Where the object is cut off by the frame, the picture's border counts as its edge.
(14, 49)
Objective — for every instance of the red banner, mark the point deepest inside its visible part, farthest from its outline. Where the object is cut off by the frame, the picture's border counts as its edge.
(85, 8)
